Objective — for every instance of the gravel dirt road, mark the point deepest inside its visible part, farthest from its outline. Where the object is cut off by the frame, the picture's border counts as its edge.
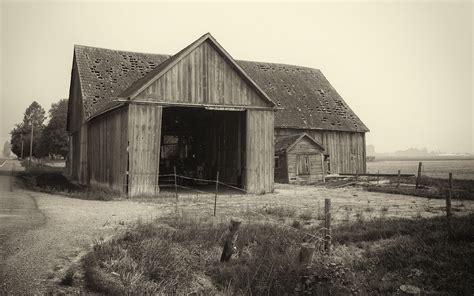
(43, 234)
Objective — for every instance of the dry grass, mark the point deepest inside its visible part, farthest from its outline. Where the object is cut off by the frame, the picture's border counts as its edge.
(180, 256)
(429, 187)
(290, 202)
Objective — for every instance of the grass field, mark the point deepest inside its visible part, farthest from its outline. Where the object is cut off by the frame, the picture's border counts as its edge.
(461, 169)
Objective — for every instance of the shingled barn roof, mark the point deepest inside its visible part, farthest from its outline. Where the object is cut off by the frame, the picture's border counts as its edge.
(282, 144)
(305, 97)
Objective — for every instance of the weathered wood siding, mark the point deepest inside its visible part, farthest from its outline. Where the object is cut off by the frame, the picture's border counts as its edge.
(83, 177)
(260, 151)
(74, 154)
(346, 149)
(144, 136)
(203, 77)
(107, 149)
(316, 168)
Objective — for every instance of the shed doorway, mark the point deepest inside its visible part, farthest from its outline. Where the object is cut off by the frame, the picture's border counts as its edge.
(201, 142)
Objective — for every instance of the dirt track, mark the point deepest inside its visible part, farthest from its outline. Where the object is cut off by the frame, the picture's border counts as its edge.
(35, 254)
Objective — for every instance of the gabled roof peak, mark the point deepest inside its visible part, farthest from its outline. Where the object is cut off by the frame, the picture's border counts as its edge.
(138, 86)
(286, 143)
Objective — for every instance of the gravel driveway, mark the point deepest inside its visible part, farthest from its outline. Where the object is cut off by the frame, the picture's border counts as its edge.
(33, 260)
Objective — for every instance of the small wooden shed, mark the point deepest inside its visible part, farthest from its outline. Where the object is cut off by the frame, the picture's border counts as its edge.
(299, 159)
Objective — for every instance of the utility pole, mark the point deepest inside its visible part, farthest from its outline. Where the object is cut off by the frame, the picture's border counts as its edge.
(31, 141)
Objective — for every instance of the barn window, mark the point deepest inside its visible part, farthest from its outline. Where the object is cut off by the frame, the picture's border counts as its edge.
(303, 164)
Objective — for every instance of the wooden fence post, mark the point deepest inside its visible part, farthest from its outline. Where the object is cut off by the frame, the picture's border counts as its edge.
(306, 254)
(217, 189)
(418, 176)
(398, 179)
(448, 205)
(175, 183)
(327, 225)
(230, 239)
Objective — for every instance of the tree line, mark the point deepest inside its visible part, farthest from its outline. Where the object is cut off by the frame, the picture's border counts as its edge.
(49, 140)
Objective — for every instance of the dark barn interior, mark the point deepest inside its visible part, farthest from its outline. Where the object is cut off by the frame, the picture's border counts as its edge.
(200, 142)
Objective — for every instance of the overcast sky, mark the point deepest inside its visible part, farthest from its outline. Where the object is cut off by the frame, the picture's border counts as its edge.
(404, 68)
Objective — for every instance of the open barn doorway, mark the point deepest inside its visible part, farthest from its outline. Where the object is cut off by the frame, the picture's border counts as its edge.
(200, 142)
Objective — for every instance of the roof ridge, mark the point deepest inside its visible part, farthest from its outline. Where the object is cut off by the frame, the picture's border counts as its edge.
(279, 64)
(120, 50)
(171, 55)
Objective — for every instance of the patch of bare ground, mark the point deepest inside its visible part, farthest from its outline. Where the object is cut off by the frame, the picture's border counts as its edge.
(349, 204)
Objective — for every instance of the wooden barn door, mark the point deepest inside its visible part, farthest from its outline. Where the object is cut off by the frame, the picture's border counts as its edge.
(144, 149)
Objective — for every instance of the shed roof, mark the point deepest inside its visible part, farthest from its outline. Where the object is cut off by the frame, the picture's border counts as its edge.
(305, 97)
(285, 143)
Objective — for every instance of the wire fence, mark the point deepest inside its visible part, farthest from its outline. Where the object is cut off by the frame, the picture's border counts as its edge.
(214, 188)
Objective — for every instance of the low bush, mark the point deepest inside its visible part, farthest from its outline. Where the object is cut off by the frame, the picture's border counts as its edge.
(53, 181)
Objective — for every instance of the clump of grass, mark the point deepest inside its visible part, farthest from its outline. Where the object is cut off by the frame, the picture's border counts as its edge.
(296, 224)
(306, 215)
(68, 277)
(280, 212)
(359, 216)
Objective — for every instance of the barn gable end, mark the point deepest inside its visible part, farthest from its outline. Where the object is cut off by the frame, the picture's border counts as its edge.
(203, 74)
(75, 110)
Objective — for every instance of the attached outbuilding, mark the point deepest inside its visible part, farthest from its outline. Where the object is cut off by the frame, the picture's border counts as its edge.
(308, 103)
(299, 159)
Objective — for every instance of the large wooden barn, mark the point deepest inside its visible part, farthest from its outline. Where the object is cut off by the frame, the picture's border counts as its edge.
(135, 116)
